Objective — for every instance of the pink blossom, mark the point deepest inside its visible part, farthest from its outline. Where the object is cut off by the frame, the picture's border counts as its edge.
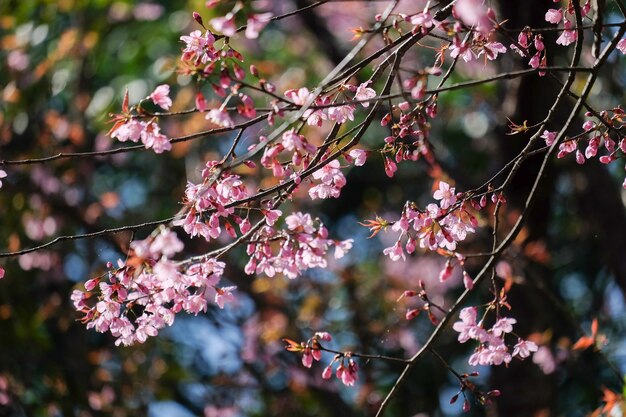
(359, 156)
(300, 96)
(445, 194)
(198, 47)
(325, 336)
(219, 117)
(502, 326)
(341, 114)
(1, 272)
(568, 36)
(224, 24)
(474, 14)
(492, 49)
(328, 372)
(621, 45)
(160, 96)
(467, 324)
(363, 92)
(523, 348)
(223, 295)
(342, 247)
(390, 167)
(423, 19)
(271, 216)
(554, 16)
(152, 137)
(461, 49)
(395, 252)
(256, 23)
(3, 174)
(131, 130)
(332, 180)
(545, 360)
(549, 137)
(446, 272)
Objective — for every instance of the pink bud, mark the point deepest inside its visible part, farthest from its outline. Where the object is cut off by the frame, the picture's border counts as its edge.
(411, 314)
(466, 406)
(327, 373)
(198, 18)
(254, 71)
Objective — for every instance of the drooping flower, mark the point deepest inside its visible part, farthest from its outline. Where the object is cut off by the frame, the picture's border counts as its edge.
(160, 96)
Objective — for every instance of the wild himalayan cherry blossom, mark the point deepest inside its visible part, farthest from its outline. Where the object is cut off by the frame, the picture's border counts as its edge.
(568, 36)
(138, 299)
(331, 180)
(492, 349)
(300, 97)
(433, 228)
(199, 47)
(219, 117)
(160, 96)
(256, 23)
(423, 20)
(3, 174)
(621, 45)
(225, 24)
(1, 272)
(554, 16)
(474, 14)
(208, 203)
(149, 133)
(301, 246)
(445, 194)
(363, 92)
(347, 369)
(358, 157)
(549, 137)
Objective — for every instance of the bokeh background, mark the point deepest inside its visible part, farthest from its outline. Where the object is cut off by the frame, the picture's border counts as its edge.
(64, 66)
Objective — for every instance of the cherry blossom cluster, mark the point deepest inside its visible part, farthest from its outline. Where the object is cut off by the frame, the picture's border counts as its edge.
(324, 110)
(226, 24)
(526, 42)
(143, 295)
(210, 203)
(492, 349)
(129, 126)
(302, 245)
(409, 135)
(564, 14)
(595, 134)
(438, 226)
(347, 368)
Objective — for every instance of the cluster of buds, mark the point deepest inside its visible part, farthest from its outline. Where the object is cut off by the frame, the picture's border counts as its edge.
(347, 369)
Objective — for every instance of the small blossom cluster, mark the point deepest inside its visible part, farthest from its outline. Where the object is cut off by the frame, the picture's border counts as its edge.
(302, 245)
(149, 132)
(144, 294)
(328, 180)
(481, 19)
(492, 349)
(339, 113)
(596, 135)
(409, 135)
(556, 16)
(438, 226)
(227, 25)
(128, 126)
(528, 41)
(210, 203)
(300, 150)
(347, 369)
